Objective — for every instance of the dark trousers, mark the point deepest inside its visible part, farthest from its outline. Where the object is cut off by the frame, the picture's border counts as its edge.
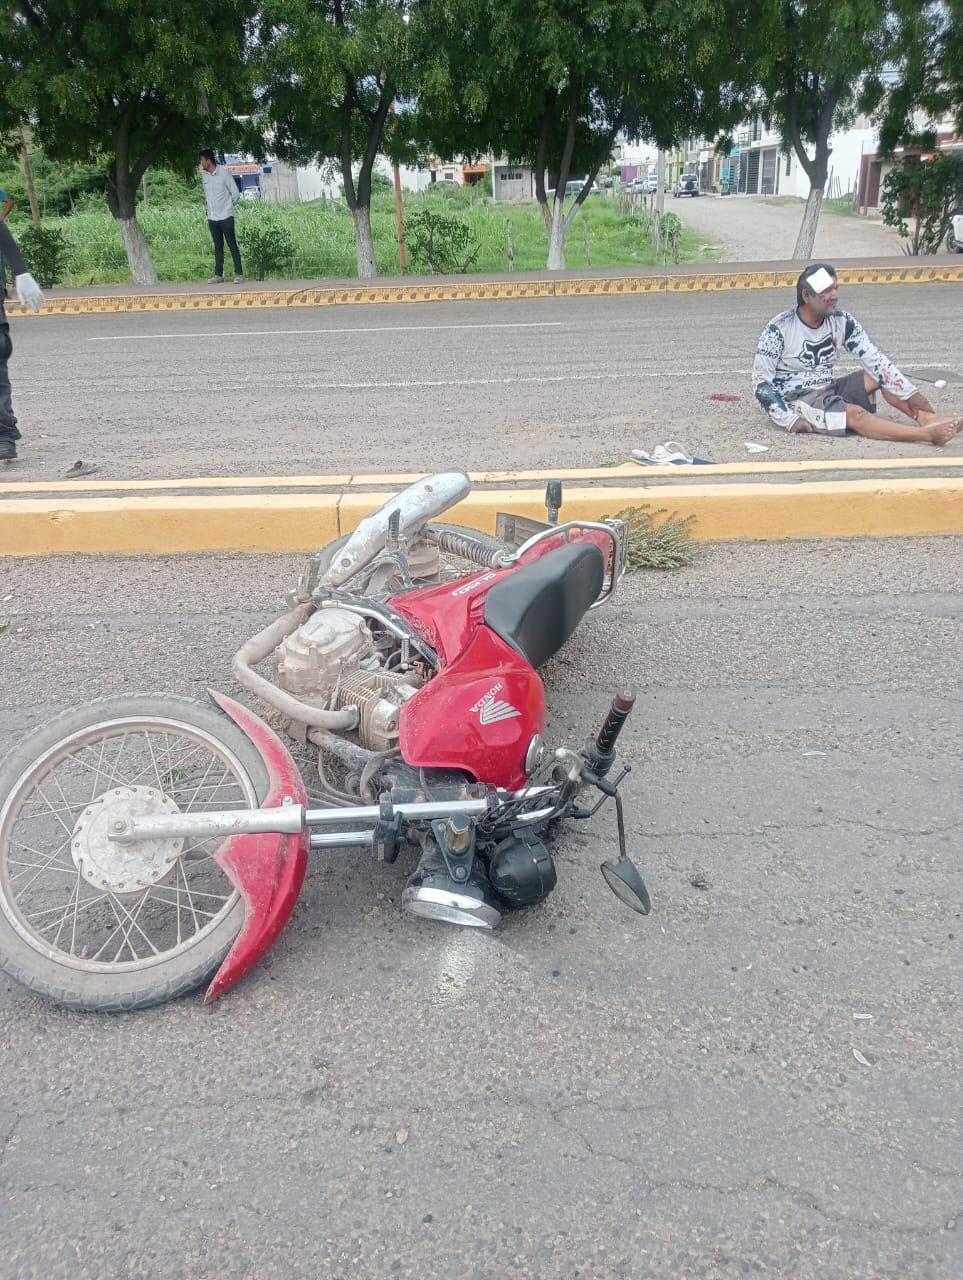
(223, 229)
(8, 419)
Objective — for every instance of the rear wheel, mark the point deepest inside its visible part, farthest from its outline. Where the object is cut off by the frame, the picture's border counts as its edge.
(99, 925)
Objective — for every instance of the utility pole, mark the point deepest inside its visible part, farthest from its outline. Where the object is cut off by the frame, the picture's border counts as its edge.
(400, 213)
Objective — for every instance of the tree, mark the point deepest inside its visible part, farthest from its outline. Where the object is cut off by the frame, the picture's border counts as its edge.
(925, 84)
(332, 70)
(930, 191)
(553, 83)
(126, 84)
(813, 61)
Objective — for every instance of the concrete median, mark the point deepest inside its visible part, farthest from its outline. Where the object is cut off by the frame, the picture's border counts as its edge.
(692, 278)
(728, 502)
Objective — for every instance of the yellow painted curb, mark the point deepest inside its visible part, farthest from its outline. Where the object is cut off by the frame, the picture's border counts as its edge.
(937, 460)
(733, 512)
(168, 526)
(709, 281)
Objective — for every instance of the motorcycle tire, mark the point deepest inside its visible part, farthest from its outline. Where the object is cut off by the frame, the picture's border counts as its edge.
(64, 928)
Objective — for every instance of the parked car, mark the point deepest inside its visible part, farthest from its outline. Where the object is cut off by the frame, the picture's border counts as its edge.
(572, 188)
(954, 237)
(637, 187)
(688, 185)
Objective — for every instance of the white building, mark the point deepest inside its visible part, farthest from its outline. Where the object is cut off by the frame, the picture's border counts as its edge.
(873, 168)
(315, 181)
(759, 167)
(764, 170)
(512, 183)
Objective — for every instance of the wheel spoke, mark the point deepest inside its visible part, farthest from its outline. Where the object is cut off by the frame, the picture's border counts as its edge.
(56, 813)
(153, 760)
(187, 808)
(187, 890)
(37, 866)
(118, 908)
(51, 859)
(95, 793)
(74, 893)
(100, 897)
(172, 902)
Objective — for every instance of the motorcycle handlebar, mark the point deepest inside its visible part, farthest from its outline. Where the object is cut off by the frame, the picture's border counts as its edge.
(617, 714)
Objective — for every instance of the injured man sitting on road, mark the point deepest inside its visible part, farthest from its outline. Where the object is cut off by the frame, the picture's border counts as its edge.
(792, 374)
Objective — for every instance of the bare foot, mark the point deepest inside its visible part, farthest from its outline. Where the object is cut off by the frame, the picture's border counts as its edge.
(941, 430)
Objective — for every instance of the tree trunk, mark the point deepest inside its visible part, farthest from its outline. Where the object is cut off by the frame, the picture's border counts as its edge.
(28, 178)
(141, 264)
(122, 202)
(556, 240)
(807, 232)
(364, 247)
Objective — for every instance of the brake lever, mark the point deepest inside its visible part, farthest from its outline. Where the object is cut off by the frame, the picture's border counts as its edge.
(608, 789)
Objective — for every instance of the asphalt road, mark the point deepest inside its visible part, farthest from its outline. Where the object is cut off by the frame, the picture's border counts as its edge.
(586, 1093)
(543, 382)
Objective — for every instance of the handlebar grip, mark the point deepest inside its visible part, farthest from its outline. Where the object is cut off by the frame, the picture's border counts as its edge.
(617, 714)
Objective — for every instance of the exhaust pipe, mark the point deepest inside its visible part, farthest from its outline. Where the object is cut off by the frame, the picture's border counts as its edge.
(414, 506)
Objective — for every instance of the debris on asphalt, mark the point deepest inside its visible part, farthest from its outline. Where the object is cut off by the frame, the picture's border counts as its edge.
(670, 452)
(725, 399)
(863, 1061)
(752, 447)
(814, 753)
(81, 468)
(401, 1137)
(699, 881)
(863, 1017)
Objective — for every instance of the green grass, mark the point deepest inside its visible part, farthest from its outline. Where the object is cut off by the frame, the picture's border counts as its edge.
(323, 236)
(842, 206)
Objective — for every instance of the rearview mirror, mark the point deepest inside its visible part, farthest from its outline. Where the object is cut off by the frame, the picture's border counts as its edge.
(623, 878)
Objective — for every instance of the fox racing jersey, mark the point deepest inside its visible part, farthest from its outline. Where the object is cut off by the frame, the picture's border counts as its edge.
(792, 358)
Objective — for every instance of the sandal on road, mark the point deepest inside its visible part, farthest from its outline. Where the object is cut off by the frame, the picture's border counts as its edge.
(670, 452)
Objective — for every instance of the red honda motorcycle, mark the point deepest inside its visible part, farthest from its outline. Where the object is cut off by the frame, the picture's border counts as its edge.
(148, 842)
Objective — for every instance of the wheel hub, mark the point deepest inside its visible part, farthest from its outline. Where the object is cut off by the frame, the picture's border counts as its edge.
(123, 868)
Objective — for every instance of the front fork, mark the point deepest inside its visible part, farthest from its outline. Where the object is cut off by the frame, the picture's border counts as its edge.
(265, 850)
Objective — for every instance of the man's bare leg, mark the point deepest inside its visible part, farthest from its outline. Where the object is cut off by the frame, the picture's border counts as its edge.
(875, 428)
(916, 407)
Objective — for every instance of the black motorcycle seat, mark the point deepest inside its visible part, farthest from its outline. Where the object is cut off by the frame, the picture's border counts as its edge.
(538, 607)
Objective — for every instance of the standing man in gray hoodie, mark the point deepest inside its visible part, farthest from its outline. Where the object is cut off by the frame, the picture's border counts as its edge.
(220, 196)
(28, 291)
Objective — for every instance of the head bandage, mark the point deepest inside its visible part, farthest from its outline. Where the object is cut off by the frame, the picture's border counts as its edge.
(820, 280)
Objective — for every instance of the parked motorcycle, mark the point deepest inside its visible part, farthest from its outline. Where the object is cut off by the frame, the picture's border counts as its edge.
(148, 841)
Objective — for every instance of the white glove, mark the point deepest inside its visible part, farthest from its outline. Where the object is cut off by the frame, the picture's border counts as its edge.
(28, 291)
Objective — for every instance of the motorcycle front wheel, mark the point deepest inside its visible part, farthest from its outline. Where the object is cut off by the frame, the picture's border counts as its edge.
(94, 924)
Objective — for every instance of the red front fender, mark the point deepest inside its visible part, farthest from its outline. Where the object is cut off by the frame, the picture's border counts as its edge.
(267, 870)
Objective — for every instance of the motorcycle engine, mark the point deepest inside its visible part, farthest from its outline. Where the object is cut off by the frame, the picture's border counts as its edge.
(331, 661)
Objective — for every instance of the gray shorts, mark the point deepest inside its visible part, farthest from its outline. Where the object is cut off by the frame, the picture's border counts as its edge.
(825, 408)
